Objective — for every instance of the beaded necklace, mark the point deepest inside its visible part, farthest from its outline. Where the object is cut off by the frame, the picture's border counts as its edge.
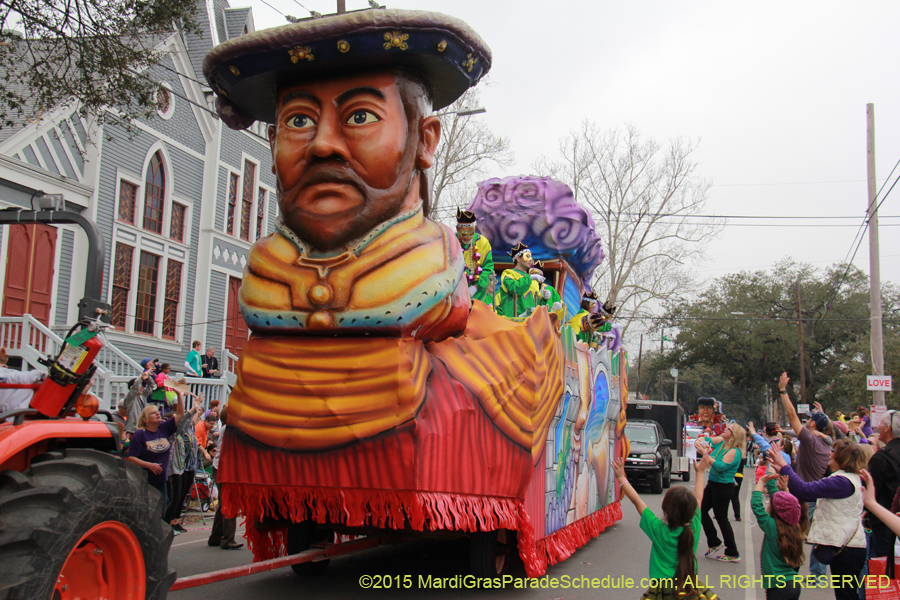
(472, 257)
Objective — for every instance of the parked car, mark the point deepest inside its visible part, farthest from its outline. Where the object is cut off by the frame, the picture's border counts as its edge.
(669, 416)
(650, 459)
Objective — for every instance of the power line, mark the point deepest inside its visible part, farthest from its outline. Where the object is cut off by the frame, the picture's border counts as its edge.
(861, 233)
(786, 183)
(888, 193)
(275, 9)
(187, 324)
(452, 210)
(743, 319)
(304, 8)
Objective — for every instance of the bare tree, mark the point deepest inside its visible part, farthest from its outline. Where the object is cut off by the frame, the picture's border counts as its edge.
(95, 52)
(645, 200)
(466, 148)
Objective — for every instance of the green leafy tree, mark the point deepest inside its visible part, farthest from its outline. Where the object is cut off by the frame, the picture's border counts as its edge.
(696, 381)
(753, 347)
(94, 52)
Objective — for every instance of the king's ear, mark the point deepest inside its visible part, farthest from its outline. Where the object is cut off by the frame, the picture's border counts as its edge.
(429, 136)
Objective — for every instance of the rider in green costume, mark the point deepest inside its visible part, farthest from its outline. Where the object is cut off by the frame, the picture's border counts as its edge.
(548, 296)
(581, 323)
(477, 253)
(519, 287)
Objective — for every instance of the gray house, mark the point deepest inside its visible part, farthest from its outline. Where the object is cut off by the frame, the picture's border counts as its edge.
(179, 200)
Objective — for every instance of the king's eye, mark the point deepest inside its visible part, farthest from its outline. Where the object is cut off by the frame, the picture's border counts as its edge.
(301, 122)
(362, 117)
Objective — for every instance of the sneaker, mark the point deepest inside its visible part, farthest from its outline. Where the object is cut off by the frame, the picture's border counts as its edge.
(175, 530)
(179, 527)
(737, 518)
(711, 553)
(726, 558)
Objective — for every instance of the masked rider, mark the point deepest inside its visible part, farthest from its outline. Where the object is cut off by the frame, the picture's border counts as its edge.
(519, 286)
(477, 254)
(547, 296)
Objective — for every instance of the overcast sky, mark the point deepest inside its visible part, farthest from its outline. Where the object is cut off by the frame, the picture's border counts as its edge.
(775, 92)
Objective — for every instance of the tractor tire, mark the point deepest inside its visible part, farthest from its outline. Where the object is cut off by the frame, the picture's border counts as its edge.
(303, 536)
(82, 523)
(656, 486)
(686, 475)
(492, 553)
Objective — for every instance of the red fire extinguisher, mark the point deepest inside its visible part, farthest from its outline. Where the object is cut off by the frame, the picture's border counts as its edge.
(69, 373)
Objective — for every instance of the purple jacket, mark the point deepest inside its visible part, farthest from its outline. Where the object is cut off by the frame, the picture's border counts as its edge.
(831, 487)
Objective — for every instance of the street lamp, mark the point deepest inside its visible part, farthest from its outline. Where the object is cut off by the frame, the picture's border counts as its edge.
(464, 112)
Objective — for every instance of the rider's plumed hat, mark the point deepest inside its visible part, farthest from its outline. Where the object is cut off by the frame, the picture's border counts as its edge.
(465, 217)
(516, 250)
(246, 72)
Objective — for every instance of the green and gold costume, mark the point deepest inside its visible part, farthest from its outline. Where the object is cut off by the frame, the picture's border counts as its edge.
(518, 292)
(482, 284)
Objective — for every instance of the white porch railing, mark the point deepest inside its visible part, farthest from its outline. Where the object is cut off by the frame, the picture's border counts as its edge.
(28, 338)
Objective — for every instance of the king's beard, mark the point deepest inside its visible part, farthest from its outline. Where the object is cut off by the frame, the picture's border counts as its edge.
(329, 231)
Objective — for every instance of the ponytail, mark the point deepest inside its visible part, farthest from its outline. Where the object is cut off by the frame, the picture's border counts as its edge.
(686, 570)
(680, 507)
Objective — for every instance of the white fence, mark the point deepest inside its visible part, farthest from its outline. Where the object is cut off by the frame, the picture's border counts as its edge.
(28, 338)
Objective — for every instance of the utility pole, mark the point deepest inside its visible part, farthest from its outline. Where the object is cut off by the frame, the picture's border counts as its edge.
(640, 353)
(674, 373)
(800, 338)
(341, 6)
(877, 343)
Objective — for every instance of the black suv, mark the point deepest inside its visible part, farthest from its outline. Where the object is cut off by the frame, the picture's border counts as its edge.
(650, 459)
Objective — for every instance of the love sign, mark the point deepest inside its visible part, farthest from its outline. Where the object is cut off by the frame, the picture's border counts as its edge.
(878, 383)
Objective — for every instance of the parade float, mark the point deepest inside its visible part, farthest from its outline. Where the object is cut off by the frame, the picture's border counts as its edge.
(375, 394)
(709, 416)
(381, 396)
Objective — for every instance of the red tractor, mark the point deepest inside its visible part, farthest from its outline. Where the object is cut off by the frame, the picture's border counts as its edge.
(76, 520)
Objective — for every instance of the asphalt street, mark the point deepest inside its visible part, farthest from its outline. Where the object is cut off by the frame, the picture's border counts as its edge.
(622, 551)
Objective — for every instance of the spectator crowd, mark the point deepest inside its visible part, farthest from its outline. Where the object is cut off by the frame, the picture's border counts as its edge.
(177, 447)
(826, 492)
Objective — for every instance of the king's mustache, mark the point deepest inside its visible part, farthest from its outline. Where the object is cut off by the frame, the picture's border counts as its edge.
(330, 172)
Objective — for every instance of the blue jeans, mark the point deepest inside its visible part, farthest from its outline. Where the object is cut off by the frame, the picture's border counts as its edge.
(815, 567)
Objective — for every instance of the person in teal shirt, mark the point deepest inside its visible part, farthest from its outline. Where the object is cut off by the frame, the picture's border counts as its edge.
(726, 453)
(785, 526)
(192, 364)
(675, 574)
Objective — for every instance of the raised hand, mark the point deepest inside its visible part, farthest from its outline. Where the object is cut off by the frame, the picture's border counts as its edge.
(775, 458)
(619, 468)
(783, 483)
(783, 382)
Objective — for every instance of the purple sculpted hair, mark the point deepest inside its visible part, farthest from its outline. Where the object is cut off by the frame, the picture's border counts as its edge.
(543, 214)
